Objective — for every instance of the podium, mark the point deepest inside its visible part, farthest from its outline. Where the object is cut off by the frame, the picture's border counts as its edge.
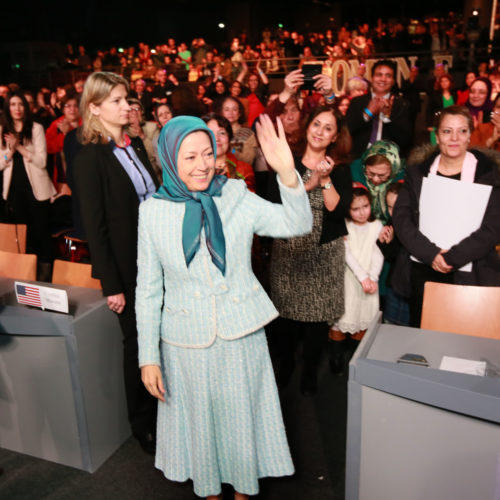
(417, 432)
(62, 396)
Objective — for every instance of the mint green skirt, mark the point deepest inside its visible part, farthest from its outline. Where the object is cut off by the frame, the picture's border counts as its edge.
(221, 421)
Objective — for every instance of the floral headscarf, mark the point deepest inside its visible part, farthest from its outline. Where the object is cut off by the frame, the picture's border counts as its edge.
(390, 150)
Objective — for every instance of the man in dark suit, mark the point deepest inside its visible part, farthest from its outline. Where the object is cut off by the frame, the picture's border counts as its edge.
(380, 114)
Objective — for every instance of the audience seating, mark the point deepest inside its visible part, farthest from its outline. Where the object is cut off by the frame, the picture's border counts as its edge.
(20, 266)
(13, 238)
(74, 273)
(467, 310)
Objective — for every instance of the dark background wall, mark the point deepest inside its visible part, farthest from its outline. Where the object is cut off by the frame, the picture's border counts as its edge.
(104, 22)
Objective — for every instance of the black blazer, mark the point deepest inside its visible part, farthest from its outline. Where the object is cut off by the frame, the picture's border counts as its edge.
(110, 211)
(399, 130)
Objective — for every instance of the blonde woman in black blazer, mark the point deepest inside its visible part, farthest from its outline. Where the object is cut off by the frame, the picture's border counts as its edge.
(112, 177)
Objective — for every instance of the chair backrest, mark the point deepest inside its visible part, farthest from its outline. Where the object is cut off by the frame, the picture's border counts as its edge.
(468, 310)
(74, 273)
(21, 266)
(13, 238)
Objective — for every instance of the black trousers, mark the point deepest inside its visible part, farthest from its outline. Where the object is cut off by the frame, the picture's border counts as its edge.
(141, 405)
(24, 208)
(420, 274)
(285, 334)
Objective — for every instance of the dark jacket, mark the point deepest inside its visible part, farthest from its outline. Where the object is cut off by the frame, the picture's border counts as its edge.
(399, 130)
(478, 248)
(71, 148)
(110, 212)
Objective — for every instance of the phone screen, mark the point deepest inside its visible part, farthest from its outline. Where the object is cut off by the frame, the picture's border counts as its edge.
(310, 70)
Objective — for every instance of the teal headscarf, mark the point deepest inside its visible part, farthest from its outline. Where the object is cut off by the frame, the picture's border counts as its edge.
(389, 150)
(201, 210)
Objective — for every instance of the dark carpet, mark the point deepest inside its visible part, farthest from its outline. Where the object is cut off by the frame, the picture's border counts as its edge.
(316, 433)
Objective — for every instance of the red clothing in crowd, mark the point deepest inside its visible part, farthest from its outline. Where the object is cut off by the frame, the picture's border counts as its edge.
(55, 138)
(243, 171)
(255, 108)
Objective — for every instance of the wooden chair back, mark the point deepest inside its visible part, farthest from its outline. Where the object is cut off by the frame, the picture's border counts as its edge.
(13, 238)
(20, 266)
(74, 273)
(467, 310)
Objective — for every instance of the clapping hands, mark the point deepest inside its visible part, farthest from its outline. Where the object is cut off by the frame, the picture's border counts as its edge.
(11, 140)
(379, 105)
(64, 126)
(495, 121)
(320, 174)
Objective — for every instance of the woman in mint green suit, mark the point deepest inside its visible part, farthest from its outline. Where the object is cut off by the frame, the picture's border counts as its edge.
(201, 312)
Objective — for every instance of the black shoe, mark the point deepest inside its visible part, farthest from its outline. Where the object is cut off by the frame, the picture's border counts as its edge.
(309, 383)
(147, 442)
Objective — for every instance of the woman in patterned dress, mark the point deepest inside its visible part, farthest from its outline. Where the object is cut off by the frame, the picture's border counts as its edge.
(201, 312)
(307, 272)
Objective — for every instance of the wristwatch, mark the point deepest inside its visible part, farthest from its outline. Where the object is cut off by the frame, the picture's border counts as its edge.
(328, 185)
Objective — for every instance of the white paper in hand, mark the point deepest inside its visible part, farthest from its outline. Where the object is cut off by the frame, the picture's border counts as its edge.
(451, 210)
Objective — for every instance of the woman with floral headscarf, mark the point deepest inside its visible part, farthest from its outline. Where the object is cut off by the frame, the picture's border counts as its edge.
(201, 312)
(377, 169)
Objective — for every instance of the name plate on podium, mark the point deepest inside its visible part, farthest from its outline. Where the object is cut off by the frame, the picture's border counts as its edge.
(41, 296)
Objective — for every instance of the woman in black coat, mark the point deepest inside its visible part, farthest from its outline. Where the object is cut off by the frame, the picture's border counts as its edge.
(452, 161)
(112, 176)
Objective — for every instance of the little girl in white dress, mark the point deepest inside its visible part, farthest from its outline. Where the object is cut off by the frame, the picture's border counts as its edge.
(364, 262)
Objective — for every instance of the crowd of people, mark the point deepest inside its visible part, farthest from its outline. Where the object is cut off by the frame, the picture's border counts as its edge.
(200, 58)
(169, 182)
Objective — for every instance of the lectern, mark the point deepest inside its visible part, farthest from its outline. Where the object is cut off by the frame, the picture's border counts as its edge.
(61, 379)
(417, 432)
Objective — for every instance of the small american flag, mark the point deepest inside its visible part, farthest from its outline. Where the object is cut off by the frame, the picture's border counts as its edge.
(29, 295)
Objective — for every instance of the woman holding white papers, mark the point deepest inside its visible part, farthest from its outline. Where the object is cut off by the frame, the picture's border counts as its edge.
(448, 212)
